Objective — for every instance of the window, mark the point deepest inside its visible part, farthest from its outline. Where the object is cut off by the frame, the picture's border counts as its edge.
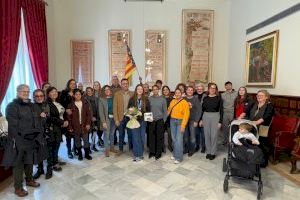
(22, 72)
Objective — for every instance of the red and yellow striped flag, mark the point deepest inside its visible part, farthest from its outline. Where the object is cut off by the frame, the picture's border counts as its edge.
(130, 65)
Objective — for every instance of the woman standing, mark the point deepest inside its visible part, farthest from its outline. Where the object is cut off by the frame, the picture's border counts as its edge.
(166, 92)
(179, 111)
(262, 113)
(93, 101)
(42, 110)
(80, 123)
(211, 119)
(19, 152)
(66, 97)
(98, 93)
(54, 135)
(141, 102)
(158, 106)
(242, 103)
(107, 122)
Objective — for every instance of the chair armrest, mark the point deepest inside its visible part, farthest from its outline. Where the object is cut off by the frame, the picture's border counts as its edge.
(279, 133)
(284, 139)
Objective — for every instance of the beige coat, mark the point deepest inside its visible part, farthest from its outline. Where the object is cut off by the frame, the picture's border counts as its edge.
(118, 105)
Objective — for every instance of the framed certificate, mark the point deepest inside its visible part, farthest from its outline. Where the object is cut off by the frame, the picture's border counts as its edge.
(82, 61)
(155, 56)
(118, 51)
(197, 45)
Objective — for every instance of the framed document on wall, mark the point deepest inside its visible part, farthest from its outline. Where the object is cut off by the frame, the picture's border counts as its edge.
(197, 45)
(155, 56)
(82, 61)
(118, 51)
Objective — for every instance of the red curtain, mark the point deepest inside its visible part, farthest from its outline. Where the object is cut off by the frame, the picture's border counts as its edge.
(10, 24)
(36, 34)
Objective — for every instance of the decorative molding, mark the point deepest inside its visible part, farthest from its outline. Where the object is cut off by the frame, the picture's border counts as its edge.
(274, 18)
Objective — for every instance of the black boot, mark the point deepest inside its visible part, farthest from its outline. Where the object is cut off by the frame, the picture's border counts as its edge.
(49, 173)
(39, 172)
(87, 154)
(70, 154)
(79, 154)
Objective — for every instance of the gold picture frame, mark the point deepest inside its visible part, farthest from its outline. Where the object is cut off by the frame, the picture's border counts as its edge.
(261, 60)
(197, 45)
(155, 56)
(118, 51)
(82, 61)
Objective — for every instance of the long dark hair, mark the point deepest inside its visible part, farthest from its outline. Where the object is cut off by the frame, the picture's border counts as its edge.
(239, 99)
(135, 97)
(68, 84)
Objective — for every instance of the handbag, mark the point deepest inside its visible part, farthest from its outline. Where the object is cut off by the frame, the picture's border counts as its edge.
(263, 131)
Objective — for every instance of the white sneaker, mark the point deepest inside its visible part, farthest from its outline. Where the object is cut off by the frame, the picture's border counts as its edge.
(176, 162)
(172, 158)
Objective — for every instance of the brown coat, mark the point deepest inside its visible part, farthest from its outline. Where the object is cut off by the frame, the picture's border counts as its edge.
(118, 105)
(86, 118)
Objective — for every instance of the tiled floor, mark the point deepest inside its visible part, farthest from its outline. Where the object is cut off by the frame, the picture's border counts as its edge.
(119, 178)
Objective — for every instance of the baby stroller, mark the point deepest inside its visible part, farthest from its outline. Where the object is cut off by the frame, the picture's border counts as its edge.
(236, 168)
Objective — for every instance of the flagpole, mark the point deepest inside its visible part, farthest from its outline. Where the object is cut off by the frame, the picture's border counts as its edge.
(140, 78)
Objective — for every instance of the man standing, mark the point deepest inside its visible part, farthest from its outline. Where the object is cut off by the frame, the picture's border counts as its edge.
(120, 103)
(115, 84)
(228, 104)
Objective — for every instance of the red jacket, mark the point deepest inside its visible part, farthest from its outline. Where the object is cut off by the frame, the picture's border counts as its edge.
(86, 118)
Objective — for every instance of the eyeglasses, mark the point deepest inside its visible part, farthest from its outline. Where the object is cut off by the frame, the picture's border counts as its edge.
(39, 96)
(25, 91)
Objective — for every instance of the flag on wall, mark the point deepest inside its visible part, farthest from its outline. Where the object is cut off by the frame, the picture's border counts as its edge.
(130, 65)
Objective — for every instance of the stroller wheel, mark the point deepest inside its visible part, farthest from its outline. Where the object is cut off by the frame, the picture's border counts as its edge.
(225, 167)
(225, 185)
(259, 190)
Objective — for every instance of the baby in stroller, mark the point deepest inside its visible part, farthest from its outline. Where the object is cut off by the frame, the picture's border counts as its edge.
(245, 147)
(244, 132)
(244, 154)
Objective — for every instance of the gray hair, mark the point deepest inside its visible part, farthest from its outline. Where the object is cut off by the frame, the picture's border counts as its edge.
(22, 86)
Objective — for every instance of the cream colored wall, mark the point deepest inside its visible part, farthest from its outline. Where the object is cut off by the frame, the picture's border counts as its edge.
(91, 19)
(244, 14)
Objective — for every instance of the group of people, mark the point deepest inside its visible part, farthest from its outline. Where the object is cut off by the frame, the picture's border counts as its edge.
(190, 116)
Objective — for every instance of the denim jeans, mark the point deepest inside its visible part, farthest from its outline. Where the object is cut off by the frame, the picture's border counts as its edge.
(138, 140)
(189, 137)
(177, 138)
(108, 135)
(200, 139)
(122, 129)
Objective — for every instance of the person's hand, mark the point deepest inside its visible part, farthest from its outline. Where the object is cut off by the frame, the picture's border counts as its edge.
(201, 123)
(65, 124)
(182, 129)
(195, 124)
(256, 122)
(43, 115)
(88, 127)
(117, 123)
(255, 142)
(94, 119)
(240, 144)
(219, 125)
(69, 111)
(105, 125)
(71, 130)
